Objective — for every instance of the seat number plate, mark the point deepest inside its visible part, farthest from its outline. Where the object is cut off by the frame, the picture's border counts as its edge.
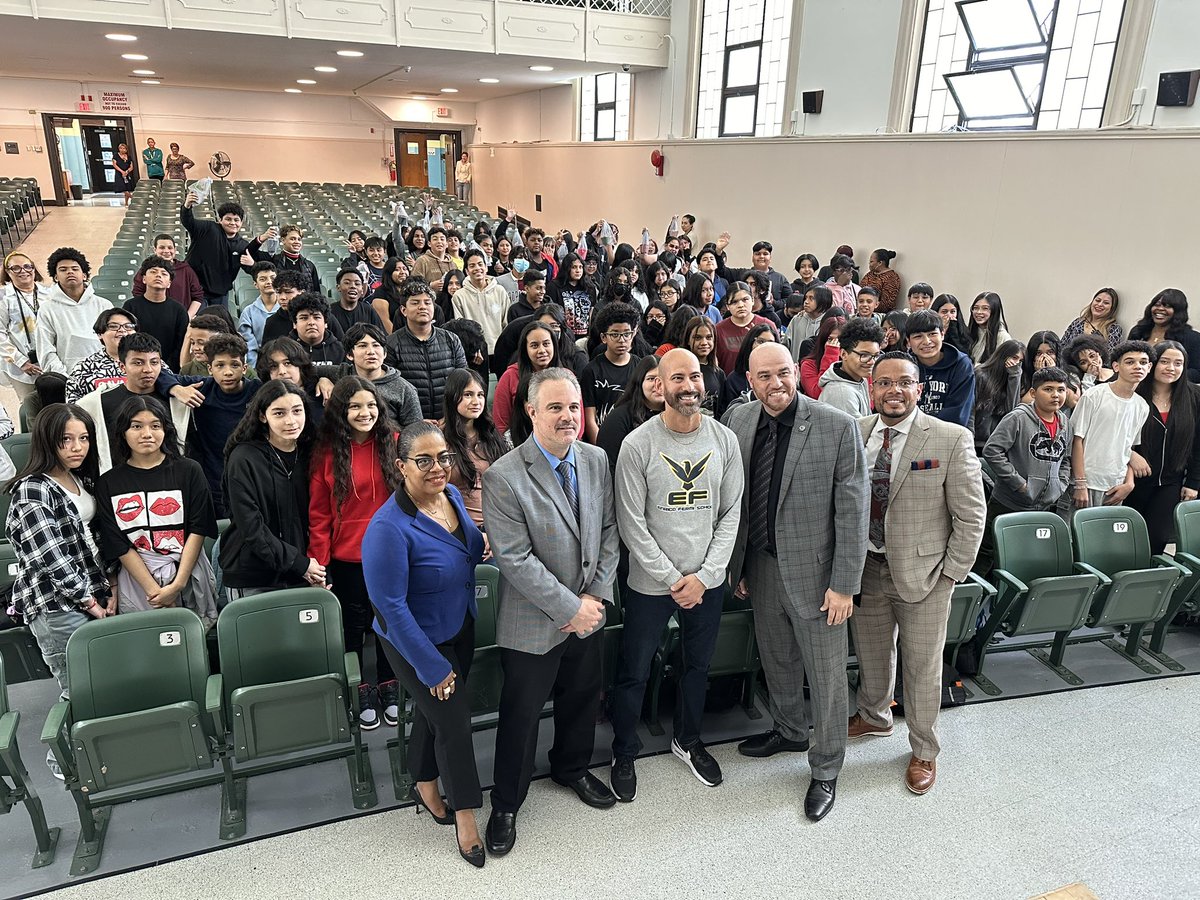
(169, 639)
(309, 616)
(480, 591)
(1043, 534)
(1120, 527)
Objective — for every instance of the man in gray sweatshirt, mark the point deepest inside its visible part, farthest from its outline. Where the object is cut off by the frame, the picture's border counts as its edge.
(679, 498)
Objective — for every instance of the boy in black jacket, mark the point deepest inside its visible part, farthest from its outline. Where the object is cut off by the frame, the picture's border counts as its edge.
(216, 249)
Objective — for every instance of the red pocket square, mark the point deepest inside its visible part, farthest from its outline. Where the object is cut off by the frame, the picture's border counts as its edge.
(920, 465)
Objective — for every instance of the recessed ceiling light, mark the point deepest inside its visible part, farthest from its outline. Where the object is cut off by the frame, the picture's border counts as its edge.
(292, 91)
(121, 37)
(150, 81)
(419, 97)
(305, 81)
(448, 90)
(324, 69)
(489, 80)
(134, 57)
(351, 53)
(144, 72)
(541, 68)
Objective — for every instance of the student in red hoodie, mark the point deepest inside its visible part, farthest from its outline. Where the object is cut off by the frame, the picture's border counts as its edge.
(353, 474)
(825, 352)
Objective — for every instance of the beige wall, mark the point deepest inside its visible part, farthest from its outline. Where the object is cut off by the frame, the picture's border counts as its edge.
(547, 115)
(1043, 221)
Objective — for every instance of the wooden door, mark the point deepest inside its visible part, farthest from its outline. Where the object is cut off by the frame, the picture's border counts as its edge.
(412, 152)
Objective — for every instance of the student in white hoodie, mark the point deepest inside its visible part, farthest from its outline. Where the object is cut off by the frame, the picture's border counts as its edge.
(480, 298)
(64, 334)
(844, 384)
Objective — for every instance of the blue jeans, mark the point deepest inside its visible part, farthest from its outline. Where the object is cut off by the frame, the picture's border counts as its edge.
(645, 617)
(52, 630)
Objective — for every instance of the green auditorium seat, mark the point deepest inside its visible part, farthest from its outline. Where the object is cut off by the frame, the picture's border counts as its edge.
(136, 715)
(1135, 589)
(17, 448)
(1187, 555)
(1038, 588)
(15, 784)
(965, 605)
(286, 685)
(19, 649)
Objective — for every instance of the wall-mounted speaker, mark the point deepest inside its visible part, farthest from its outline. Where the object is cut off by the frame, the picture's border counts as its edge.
(1178, 88)
(811, 101)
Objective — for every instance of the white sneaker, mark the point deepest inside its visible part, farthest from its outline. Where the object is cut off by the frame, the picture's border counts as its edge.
(53, 766)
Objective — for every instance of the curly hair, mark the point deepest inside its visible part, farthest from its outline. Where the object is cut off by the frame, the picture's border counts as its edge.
(335, 437)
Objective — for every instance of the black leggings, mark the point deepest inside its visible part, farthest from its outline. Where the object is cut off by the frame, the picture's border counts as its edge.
(347, 582)
(1156, 503)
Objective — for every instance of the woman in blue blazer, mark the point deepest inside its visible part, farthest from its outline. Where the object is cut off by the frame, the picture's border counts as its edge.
(419, 558)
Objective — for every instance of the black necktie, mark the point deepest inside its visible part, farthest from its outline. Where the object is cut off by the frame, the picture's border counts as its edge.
(760, 489)
(568, 486)
(881, 485)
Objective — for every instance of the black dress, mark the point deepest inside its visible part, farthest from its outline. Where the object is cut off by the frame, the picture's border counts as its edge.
(121, 184)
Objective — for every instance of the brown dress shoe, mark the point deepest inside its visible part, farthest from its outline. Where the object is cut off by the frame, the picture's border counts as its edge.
(859, 727)
(921, 775)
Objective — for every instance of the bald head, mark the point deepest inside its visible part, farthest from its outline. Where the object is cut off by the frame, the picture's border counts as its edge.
(773, 376)
(682, 381)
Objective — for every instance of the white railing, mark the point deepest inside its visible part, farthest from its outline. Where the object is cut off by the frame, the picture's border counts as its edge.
(660, 8)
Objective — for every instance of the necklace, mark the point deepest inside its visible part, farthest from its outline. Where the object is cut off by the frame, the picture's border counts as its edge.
(437, 515)
(286, 471)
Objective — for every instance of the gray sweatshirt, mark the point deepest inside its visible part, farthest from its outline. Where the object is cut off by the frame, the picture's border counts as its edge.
(1032, 469)
(679, 501)
(844, 393)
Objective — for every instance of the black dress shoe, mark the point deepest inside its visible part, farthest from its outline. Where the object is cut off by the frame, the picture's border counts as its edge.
(591, 790)
(501, 832)
(769, 743)
(819, 799)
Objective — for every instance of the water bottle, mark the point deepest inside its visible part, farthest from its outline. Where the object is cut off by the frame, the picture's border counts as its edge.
(271, 245)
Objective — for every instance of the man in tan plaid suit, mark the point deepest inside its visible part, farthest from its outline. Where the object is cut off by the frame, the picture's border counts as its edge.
(926, 523)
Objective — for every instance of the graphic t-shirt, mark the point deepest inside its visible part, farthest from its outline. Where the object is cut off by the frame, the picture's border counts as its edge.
(603, 383)
(153, 510)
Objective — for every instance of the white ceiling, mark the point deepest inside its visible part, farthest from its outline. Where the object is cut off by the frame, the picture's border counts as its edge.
(53, 48)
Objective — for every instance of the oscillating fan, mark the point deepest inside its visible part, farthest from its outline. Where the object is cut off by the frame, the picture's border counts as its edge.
(219, 164)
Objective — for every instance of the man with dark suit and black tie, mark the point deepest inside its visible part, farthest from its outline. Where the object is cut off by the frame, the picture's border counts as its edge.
(548, 508)
(925, 526)
(799, 554)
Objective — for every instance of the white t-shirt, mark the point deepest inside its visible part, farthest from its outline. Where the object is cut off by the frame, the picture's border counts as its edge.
(1117, 425)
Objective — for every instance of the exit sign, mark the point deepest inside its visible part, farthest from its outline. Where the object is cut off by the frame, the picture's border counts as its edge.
(443, 112)
(83, 106)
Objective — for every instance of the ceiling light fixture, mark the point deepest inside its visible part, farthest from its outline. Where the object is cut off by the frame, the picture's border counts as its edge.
(292, 91)
(419, 97)
(150, 81)
(541, 68)
(324, 69)
(134, 57)
(353, 54)
(448, 90)
(144, 72)
(489, 80)
(305, 81)
(121, 37)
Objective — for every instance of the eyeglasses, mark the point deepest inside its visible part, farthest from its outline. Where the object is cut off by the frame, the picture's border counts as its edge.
(116, 328)
(905, 384)
(425, 463)
(619, 335)
(865, 357)
(24, 267)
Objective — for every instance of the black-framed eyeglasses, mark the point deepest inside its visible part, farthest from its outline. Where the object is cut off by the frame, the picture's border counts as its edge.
(24, 267)
(118, 327)
(619, 335)
(905, 384)
(425, 463)
(864, 356)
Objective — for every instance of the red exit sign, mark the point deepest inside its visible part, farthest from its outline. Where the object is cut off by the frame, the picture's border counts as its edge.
(443, 112)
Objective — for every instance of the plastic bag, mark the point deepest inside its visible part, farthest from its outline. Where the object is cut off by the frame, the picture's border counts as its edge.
(201, 189)
(607, 238)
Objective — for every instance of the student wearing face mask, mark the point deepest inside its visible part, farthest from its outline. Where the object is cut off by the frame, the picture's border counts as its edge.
(512, 277)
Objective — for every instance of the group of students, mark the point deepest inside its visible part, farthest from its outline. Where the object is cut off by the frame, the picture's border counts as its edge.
(305, 422)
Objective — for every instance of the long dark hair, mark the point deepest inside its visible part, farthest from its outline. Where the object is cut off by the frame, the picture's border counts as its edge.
(829, 322)
(408, 240)
(47, 436)
(253, 428)
(335, 437)
(677, 325)
(694, 324)
(991, 378)
(566, 338)
(444, 299)
(489, 443)
(1031, 349)
(1181, 424)
(563, 276)
(520, 426)
(388, 289)
(524, 363)
(634, 397)
(742, 364)
(121, 451)
(994, 323)
(693, 287)
(1172, 297)
(955, 333)
(294, 352)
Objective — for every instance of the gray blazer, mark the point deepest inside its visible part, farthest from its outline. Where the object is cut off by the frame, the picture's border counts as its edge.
(546, 558)
(822, 519)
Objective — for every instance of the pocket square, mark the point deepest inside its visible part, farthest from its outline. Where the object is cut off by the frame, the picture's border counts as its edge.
(921, 465)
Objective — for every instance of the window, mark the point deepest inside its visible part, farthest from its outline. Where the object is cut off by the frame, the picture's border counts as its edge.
(743, 68)
(1015, 64)
(604, 107)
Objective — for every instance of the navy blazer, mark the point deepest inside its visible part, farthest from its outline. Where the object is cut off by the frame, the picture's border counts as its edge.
(421, 580)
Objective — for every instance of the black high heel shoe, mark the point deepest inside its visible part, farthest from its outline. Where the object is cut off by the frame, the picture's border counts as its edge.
(447, 819)
(475, 856)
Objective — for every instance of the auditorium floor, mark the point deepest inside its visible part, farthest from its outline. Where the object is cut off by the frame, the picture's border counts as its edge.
(1093, 785)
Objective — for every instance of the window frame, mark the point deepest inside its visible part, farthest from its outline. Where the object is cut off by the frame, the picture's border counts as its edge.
(741, 91)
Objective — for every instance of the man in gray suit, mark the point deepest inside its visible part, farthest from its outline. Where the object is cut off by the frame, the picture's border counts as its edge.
(799, 555)
(548, 509)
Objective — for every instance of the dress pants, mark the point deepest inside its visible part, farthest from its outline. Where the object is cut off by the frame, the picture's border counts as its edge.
(441, 743)
(645, 617)
(922, 631)
(791, 646)
(571, 674)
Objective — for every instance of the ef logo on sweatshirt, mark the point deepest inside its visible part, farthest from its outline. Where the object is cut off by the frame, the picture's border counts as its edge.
(688, 474)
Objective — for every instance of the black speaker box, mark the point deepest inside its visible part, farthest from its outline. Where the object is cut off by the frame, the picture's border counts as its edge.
(811, 101)
(1178, 88)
